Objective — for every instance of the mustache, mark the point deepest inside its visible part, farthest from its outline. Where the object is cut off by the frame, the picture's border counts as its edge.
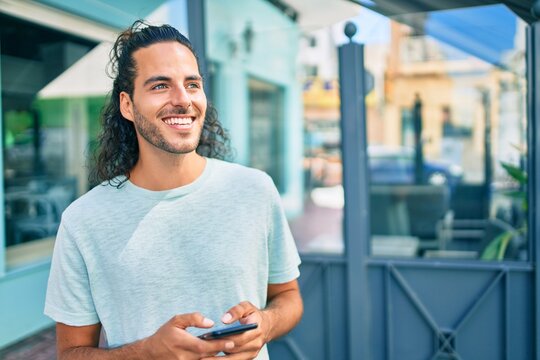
(178, 110)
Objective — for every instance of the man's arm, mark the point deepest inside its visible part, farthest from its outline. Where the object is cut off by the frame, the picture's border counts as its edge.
(81, 342)
(170, 341)
(283, 311)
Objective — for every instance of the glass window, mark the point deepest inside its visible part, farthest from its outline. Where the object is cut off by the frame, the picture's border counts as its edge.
(319, 228)
(447, 134)
(446, 125)
(49, 111)
(266, 129)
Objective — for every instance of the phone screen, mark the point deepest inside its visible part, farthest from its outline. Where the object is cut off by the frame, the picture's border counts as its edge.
(227, 331)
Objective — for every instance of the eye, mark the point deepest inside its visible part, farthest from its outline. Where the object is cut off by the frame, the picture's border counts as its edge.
(159, 87)
(193, 85)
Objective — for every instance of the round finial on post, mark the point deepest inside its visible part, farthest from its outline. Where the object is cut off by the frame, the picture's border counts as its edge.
(535, 10)
(350, 30)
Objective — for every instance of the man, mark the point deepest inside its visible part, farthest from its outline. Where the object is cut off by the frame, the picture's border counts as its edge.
(171, 240)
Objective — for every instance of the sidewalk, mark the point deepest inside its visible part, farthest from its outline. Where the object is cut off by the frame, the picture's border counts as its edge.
(41, 346)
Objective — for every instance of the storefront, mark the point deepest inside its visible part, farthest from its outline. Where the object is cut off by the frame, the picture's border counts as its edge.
(53, 59)
(54, 56)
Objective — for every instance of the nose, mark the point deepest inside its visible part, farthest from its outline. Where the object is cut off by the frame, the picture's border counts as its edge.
(180, 97)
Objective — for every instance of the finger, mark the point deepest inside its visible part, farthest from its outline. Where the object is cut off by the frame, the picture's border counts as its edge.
(252, 345)
(253, 318)
(238, 356)
(239, 343)
(209, 348)
(237, 312)
(194, 319)
(244, 338)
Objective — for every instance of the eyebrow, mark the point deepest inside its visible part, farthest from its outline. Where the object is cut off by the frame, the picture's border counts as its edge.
(194, 78)
(167, 78)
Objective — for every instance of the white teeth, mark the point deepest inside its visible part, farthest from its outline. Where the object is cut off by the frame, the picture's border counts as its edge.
(178, 121)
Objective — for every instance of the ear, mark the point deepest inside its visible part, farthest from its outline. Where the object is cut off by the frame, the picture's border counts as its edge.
(126, 106)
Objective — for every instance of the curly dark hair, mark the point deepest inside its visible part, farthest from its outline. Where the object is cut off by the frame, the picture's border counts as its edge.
(117, 147)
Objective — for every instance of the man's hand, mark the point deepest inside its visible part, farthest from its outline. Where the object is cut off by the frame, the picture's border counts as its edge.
(248, 344)
(172, 341)
(281, 314)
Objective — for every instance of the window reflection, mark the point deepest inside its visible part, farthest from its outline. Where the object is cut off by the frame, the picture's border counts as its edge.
(266, 129)
(46, 130)
(463, 81)
(446, 132)
(319, 228)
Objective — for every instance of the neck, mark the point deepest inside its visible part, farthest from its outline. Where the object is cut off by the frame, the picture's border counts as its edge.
(167, 171)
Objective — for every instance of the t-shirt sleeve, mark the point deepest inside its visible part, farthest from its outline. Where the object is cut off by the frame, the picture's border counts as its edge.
(283, 255)
(69, 298)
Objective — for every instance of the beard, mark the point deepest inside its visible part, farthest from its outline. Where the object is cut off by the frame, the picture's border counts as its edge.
(149, 131)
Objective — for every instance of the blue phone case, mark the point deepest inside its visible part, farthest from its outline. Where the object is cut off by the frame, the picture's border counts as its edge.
(227, 331)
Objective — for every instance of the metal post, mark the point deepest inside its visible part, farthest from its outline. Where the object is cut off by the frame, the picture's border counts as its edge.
(488, 167)
(355, 184)
(533, 145)
(418, 145)
(197, 35)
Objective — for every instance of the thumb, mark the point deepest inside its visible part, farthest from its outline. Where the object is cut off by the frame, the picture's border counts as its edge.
(183, 321)
(250, 319)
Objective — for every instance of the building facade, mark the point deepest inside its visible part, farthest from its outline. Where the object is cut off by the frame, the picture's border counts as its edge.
(54, 57)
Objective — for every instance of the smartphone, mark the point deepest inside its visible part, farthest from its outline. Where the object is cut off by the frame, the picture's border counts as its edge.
(227, 331)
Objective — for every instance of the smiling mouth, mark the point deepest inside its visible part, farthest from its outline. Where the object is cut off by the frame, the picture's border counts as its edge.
(180, 122)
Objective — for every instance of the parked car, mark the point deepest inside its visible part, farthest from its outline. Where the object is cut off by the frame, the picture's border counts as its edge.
(395, 165)
(387, 165)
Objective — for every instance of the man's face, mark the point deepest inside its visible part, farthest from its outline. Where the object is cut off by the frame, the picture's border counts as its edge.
(168, 105)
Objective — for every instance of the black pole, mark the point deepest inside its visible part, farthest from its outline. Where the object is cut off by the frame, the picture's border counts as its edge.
(418, 148)
(355, 184)
(197, 36)
(533, 148)
(488, 165)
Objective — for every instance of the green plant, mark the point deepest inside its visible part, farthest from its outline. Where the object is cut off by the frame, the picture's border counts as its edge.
(497, 247)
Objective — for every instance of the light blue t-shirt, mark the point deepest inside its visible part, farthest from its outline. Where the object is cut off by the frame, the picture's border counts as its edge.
(132, 258)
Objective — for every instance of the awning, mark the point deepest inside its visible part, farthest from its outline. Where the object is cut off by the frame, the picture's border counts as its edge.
(391, 8)
(118, 13)
(316, 14)
(486, 32)
(85, 78)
